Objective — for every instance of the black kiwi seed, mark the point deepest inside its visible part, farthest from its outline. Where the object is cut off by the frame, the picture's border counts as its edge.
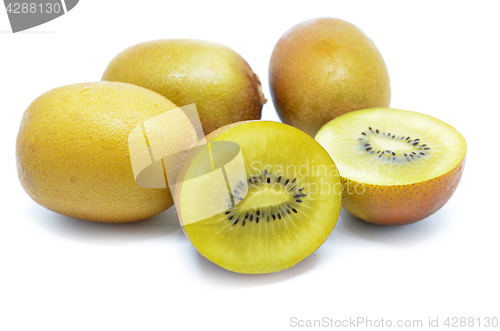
(369, 149)
(426, 148)
(364, 134)
(393, 153)
(422, 153)
(295, 190)
(415, 143)
(377, 131)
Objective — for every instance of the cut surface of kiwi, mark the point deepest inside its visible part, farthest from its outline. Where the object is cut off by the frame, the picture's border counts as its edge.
(397, 166)
(268, 217)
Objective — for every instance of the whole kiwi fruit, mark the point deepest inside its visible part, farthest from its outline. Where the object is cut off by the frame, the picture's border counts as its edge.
(213, 76)
(323, 68)
(73, 155)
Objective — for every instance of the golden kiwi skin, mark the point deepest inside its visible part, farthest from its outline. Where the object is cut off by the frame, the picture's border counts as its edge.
(73, 156)
(323, 68)
(214, 77)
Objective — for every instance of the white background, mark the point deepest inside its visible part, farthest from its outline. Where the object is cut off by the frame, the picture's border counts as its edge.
(58, 273)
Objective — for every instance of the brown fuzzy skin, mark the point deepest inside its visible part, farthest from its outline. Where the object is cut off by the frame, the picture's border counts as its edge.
(323, 68)
(400, 204)
(214, 77)
(73, 156)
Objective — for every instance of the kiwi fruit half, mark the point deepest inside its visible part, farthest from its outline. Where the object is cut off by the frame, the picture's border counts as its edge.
(323, 68)
(397, 166)
(73, 155)
(213, 76)
(278, 209)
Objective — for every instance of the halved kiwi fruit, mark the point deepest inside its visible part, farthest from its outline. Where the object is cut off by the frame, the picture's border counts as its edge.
(397, 166)
(275, 210)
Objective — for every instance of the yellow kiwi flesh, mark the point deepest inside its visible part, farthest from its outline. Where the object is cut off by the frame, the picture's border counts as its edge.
(397, 166)
(323, 68)
(214, 77)
(291, 206)
(73, 155)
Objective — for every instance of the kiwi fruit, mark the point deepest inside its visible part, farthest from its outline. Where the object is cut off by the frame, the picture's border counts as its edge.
(397, 166)
(323, 68)
(278, 209)
(214, 77)
(73, 155)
